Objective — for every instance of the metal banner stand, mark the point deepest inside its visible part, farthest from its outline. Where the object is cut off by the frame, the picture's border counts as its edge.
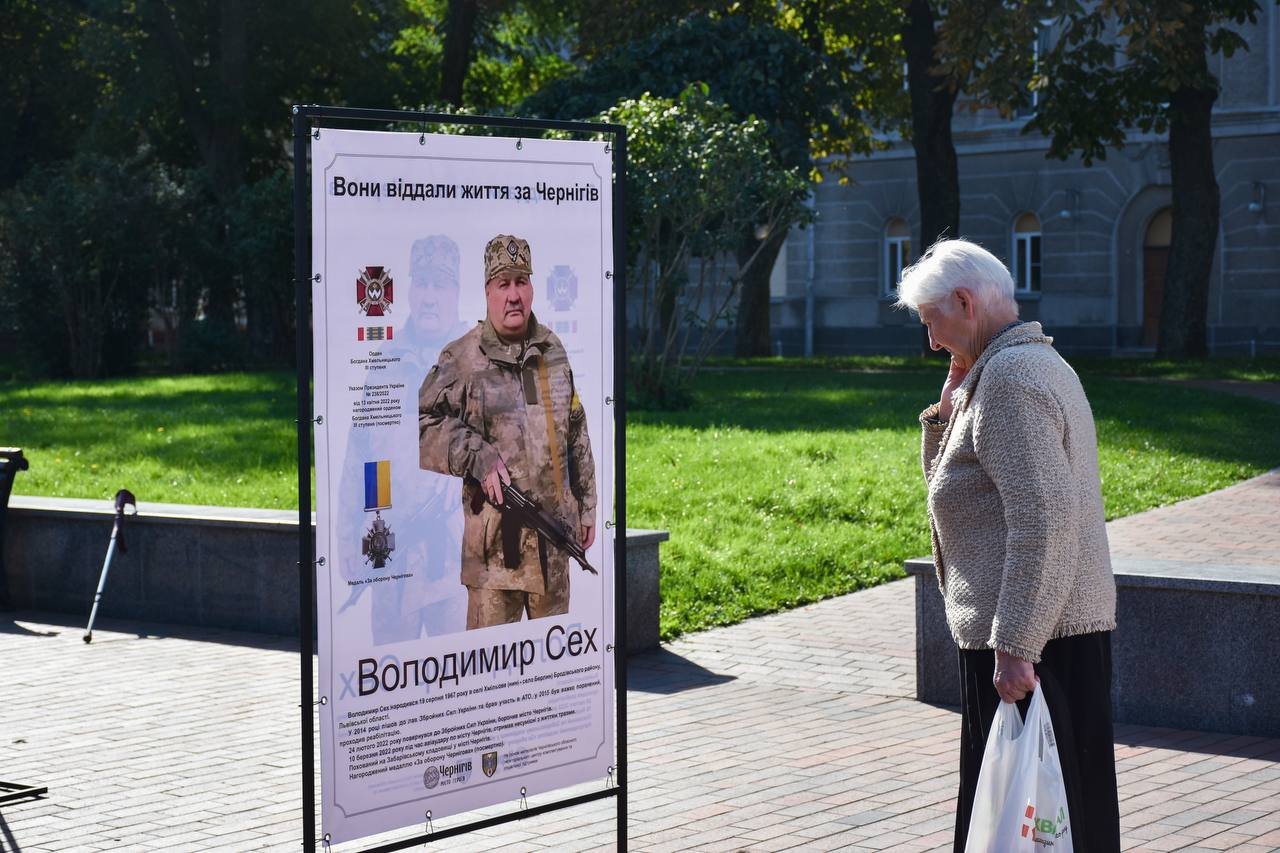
(616, 783)
(12, 460)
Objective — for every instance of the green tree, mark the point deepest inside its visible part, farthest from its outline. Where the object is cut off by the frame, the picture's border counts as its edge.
(78, 239)
(487, 54)
(198, 90)
(45, 93)
(697, 177)
(1089, 100)
(824, 100)
(933, 91)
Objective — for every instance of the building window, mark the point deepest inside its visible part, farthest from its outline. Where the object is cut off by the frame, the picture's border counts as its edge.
(1039, 48)
(1026, 253)
(897, 253)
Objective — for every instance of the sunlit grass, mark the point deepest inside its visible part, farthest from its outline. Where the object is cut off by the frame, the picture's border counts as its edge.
(225, 440)
(781, 486)
(787, 486)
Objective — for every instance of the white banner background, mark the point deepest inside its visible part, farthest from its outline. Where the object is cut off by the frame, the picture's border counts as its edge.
(391, 755)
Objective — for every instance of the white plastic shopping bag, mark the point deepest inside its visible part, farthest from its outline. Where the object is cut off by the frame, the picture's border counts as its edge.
(1021, 801)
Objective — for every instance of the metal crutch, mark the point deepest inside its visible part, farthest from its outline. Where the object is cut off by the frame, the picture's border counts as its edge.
(123, 497)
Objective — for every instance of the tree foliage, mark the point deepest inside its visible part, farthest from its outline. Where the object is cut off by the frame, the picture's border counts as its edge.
(1117, 65)
(188, 99)
(77, 240)
(823, 77)
(817, 105)
(697, 177)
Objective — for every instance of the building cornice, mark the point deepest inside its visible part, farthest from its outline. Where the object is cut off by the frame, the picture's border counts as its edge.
(1007, 136)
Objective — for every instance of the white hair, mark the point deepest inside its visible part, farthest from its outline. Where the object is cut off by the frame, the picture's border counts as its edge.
(950, 264)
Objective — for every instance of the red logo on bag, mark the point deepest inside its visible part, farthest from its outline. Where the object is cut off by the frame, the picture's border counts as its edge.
(1045, 826)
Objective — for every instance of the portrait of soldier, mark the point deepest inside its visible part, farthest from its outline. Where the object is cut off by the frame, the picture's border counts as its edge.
(422, 596)
(498, 410)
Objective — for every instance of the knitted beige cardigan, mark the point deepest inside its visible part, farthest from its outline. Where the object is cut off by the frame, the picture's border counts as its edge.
(1015, 502)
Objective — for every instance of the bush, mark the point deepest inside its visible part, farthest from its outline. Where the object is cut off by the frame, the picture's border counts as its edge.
(698, 178)
(79, 240)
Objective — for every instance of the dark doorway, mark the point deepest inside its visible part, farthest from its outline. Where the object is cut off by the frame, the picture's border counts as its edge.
(1155, 260)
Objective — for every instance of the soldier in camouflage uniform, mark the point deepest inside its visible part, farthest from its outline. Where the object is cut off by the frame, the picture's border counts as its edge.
(500, 407)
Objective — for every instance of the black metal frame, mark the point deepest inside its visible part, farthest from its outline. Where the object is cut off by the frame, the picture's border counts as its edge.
(303, 118)
(12, 461)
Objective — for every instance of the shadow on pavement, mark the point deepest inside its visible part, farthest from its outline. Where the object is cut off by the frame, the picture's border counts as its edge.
(665, 672)
(1205, 743)
(9, 624)
(8, 844)
(42, 623)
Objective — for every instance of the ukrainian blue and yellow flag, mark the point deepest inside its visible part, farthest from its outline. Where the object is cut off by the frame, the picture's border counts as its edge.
(377, 485)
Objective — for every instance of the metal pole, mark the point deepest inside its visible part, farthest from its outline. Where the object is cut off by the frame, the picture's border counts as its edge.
(102, 584)
(808, 282)
(620, 463)
(306, 545)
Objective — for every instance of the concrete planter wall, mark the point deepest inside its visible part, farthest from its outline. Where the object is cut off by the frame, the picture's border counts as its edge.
(1193, 648)
(211, 566)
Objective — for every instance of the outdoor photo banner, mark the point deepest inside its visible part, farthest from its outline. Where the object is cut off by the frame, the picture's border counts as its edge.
(465, 649)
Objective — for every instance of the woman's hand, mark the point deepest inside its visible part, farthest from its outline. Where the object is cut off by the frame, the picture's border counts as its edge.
(1014, 677)
(955, 376)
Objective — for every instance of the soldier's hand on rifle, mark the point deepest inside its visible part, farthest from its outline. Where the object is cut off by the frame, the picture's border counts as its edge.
(493, 482)
(588, 536)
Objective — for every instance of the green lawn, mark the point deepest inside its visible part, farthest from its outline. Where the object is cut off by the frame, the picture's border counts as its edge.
(784, 484)
(225, 440)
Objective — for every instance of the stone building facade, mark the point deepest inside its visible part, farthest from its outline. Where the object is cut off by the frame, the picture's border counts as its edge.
(1087, 245)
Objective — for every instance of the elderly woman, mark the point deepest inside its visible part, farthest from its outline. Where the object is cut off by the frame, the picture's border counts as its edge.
(1019, 541)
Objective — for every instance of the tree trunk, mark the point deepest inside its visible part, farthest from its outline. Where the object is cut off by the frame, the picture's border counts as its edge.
(933, 98)
(227, 106)
(213, 119)
(1184, 317)
(459, 33)
(752, 330)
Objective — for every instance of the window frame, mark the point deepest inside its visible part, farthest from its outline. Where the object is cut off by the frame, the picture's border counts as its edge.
(892, 244)
(1028, 257)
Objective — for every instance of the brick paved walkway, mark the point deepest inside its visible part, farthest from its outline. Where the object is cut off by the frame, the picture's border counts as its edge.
(1238, 526)
(793, 731)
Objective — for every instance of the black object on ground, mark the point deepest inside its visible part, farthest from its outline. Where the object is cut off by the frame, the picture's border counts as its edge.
(11, 462)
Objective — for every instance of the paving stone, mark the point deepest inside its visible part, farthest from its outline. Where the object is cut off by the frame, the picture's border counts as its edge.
(815, 743)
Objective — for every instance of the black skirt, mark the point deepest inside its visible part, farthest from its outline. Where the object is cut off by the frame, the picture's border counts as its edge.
(1075, 676)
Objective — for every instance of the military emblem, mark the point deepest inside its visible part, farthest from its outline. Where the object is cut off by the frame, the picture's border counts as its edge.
(513, 249)
(562, 288)
(379, 542)
(489, 763)
(374, 291)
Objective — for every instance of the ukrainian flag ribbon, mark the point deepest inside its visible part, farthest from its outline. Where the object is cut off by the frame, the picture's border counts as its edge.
(377, 485)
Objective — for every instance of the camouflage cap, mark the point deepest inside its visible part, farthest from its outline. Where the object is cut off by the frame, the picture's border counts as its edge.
(506, 253)
(434, 256)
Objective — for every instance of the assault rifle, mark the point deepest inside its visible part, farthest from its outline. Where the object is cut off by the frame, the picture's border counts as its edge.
(529, 513)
